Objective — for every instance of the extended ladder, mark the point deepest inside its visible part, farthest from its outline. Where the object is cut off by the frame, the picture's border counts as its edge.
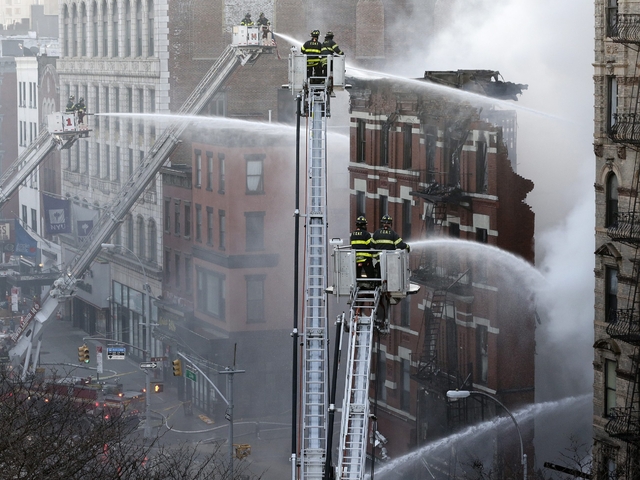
(355, 406)
(314, 357)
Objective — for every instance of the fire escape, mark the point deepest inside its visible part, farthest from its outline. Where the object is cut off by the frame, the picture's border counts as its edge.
(434, 359)
(624, 324)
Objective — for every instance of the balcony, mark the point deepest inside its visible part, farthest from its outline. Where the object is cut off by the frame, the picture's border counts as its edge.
(625, 326)
(624, 424)
(625, 228)
(625, 129)
(625, 28)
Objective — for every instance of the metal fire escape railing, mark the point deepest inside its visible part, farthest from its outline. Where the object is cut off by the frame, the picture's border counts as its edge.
(624, 324)
(314, 394)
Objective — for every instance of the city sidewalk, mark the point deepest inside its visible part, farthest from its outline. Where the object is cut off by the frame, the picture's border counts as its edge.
(269, 439)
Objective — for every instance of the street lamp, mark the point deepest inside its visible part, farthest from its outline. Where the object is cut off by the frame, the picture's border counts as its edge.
(459, 394)
(147, 351)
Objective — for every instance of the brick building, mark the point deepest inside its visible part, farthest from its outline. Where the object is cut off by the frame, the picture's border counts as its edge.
(443, 173)
(616, 394)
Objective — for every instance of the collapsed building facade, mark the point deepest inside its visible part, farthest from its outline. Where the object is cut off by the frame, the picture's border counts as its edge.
(430, 159)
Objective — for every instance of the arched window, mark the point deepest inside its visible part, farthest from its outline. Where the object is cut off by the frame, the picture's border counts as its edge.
(611, 217)
(127, 29)
(153, 241)
(83, 30)
(74, 30)
(94, 33)
(65, 33)
(141, 236)
(150, 29)
(130, 233)
(114, 25)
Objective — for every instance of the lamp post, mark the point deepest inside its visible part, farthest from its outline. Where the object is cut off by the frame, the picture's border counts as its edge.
(459, 394)
(147, 351)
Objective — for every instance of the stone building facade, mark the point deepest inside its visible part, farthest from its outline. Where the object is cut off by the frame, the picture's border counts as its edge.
(616, 395)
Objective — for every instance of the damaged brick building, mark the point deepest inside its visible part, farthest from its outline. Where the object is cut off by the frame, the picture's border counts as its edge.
(424, 152)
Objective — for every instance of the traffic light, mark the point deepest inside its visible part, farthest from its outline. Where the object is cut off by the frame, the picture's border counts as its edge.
(177, 367)
(157, 388)
(83, 354)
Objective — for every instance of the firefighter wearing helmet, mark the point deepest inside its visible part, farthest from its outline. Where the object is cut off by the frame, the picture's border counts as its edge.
(385, 238)
(313, 50)
(361, 242)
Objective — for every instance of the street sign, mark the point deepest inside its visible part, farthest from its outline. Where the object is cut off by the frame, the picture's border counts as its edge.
(148, 365)
(158, 359)
(116, 353)
(190, 375)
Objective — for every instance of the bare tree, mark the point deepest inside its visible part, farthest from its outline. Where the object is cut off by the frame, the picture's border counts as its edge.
(47, 434)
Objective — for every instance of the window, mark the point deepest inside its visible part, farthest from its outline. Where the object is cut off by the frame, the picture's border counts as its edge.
(454, 230)
(187, 219)
(255, 298)
(612, 18)
(482, 353)
(405, 312)
(25, 219)
(130, 233)
(384, 145)
(611, 214)
(360, 140)
(406, 219)
(611, 292)
(361, 204)
(480, 262)
(430, 145)
(210, 293)
(254, 222)
(407, 139)
(167, 265)
(34, 220)
(141, 237)
(255, 179)
(209, 171)
(221, 177)
(150, 29)
(481, 168)
(405, 384)
(608, 465)
(198, 222)
(222, 222)
(153, 239)
(384, 205)
(381, 375)
(177, 269)
(612, 103)
(187, 274)
(198, 168)
(167, 215)
(176, 216)
(610, 377)
(209, 226)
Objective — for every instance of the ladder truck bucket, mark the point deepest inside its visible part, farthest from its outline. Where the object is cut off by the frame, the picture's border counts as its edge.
(344, 271)
(297, 72)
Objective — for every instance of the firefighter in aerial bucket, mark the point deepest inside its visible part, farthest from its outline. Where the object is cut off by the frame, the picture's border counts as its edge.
(313, 50)
(361, 242)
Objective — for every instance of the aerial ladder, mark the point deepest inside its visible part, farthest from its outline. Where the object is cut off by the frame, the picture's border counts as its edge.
(246, 48)
(369, 299)
(63, 129)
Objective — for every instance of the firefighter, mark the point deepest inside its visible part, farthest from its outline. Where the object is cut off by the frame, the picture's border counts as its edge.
(386, 239)
(263, 23)
(71, 104)
(329, 48)
(361, 242)
(246, 21)
(313, 49)
(81, 108)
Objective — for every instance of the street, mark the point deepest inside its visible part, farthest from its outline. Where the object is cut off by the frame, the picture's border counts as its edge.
(268, 438)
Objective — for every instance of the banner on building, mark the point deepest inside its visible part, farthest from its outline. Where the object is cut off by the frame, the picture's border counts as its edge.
(25, 244)
(84, 229)
(57, 215)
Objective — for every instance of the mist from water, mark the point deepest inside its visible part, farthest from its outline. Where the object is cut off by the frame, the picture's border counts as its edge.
(460, 449)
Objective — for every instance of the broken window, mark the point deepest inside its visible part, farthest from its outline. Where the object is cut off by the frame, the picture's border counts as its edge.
(610, 378)
(611, 292)
(384, 145)
(406, 145)
(430, 143)
(481, 167)
(360, 140)
(482, 353)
